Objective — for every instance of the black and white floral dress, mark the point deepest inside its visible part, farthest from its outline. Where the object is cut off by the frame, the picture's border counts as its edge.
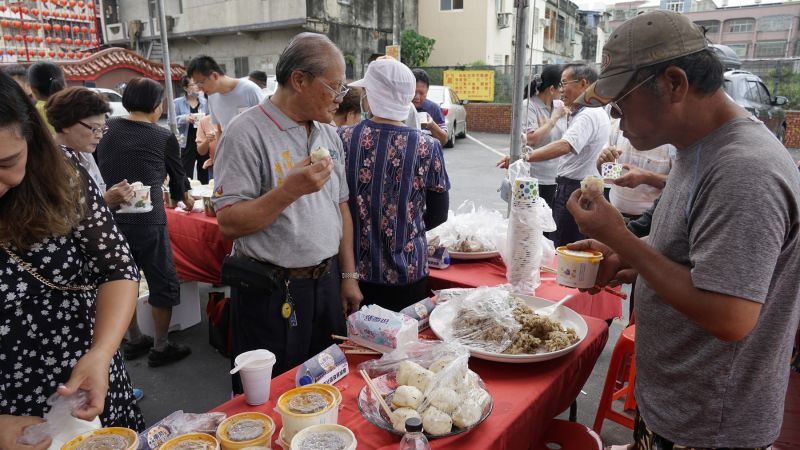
(44, 331)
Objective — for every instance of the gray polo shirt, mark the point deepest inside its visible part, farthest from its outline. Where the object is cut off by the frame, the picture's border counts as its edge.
(224, 107)
(253, 157)
(729, 213)
(587, 133)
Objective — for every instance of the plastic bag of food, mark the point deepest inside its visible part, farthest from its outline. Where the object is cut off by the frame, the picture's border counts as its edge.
(469, 229)
(486, 320)
(179, 423)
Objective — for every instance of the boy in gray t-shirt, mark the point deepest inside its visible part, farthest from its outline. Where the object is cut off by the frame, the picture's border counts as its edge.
(717, 293)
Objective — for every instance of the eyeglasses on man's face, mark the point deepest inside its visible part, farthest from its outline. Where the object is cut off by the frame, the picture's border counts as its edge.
(98, 130)
(338, 94)
(616, 111)
(566, 82)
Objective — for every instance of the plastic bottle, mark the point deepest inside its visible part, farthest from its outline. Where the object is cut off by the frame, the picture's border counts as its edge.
(414, 439)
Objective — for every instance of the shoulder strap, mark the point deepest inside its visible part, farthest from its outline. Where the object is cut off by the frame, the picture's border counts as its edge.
(32, 272)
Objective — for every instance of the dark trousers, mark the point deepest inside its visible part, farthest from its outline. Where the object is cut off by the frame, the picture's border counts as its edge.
(257, 323)
(153, 254)
(191, 159)
(566, 228)
(394, 297)
(548, 193)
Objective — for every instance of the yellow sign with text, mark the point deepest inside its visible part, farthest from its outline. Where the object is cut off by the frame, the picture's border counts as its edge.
(471, 84)
(393, 51)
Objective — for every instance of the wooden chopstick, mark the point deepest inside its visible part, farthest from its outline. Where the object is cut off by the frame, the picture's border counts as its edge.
(608, 289)
(339, 338)
(377, 393)
(360, 351)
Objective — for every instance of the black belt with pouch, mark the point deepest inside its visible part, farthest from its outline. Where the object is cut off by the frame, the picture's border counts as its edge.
(246, 273)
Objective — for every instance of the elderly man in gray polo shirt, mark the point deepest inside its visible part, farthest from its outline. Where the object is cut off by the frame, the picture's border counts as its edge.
(289, 216)
(587, 133)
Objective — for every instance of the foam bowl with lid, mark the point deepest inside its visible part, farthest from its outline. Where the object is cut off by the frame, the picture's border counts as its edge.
(305, 406)
(248, 429)
(577, 268)
(111, 438)
(324, 437)
(191, 441)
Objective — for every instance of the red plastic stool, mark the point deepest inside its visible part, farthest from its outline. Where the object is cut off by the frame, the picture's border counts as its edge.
(622, 351)
(563, 435)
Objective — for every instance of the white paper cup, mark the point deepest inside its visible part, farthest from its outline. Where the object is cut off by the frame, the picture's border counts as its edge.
(577, 269)
(141, 198)
(611, 170)
(423, 117)
(256, 376)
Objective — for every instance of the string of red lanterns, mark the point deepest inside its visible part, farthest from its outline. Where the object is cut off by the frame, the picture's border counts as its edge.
(26, 30)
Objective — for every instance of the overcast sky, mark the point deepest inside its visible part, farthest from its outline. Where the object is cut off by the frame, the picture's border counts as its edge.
(599, 5)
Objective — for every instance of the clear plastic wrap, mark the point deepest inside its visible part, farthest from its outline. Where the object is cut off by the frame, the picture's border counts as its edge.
(433, 380)
(486, 320)
(469, 229)
(60, 425)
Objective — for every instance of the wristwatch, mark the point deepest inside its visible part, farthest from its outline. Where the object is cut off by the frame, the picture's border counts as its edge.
(350, 275)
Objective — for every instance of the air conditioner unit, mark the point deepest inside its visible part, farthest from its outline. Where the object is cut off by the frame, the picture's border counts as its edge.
(170, 24)
(115, 32)
(503, 20)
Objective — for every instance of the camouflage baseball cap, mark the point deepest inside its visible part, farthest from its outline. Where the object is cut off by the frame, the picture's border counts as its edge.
(642, 41)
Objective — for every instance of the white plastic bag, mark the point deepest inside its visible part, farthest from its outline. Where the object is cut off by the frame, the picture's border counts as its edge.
(60, 425)
(469, 229)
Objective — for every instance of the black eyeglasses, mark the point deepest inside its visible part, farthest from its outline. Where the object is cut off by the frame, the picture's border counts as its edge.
(615, 109)
(338, 94)
(102, 130)
(564, 83)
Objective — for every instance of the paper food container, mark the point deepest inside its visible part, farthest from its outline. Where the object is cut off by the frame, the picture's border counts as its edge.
(227, 434)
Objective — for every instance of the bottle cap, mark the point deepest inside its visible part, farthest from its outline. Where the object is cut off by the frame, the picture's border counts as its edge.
(413, 424)
(304, 380)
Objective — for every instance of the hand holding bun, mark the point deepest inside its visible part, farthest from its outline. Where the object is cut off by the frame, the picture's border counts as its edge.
(319, 153)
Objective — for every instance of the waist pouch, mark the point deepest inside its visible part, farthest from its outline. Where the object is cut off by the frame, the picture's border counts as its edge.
(246, 273)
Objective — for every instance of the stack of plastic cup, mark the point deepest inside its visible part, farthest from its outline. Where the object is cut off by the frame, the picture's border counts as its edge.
(524, 236)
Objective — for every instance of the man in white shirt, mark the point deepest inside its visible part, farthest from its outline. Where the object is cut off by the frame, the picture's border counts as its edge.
(588, 130)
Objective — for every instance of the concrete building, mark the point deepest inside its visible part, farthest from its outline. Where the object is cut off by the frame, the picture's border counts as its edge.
(468, 31)
(756, 31)
(593, 27)
(246, 35)
(561, 24)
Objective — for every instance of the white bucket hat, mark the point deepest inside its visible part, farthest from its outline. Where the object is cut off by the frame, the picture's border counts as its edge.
(390, 88)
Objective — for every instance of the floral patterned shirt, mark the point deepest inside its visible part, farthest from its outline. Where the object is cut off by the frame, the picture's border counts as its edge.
(389, 170)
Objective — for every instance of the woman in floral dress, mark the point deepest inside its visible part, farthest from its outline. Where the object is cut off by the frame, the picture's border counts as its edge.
(68, 284)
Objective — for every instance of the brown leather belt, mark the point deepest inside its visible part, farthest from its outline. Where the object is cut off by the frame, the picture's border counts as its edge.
(303, 273)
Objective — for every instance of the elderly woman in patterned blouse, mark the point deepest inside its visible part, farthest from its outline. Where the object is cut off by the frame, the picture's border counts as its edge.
(68, 280)
(398, 189)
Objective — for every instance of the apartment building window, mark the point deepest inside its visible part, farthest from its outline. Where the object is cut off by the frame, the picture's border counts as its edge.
(241, 66)
(561, 28)
(740, 49)
(711, 26)
(775, 23)
(449, 5)
(344, 2)
(740, 25)
(770, 49)
(675, 5)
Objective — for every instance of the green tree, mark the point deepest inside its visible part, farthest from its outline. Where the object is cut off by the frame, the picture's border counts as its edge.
(415, 48)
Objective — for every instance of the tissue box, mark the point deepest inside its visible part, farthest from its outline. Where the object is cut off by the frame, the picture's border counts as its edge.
(380, 329)
(420, 311)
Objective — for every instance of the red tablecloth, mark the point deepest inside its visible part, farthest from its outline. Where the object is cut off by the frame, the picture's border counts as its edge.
(491, 272)
(526, 397)
(197, 245)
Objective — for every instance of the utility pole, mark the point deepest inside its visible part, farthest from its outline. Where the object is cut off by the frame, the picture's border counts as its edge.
(397, 8)
(520, 41)
(162, 20)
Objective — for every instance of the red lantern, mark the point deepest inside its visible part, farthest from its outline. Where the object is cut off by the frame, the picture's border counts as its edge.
(2, 8)
(38, 39)
(72, 3)
(31, 52)
(26, 25)
(37, 25)
(11, 52)
(19, 37)
(68, 41)
(35, 12)
(84, 30)
(83, 17)
(90, 5)
(79, 55)
(8, 37)
(62, 2)
(1, 51)
(15, 9)
(76, 29)
(49, 40)
(57, 40)
(70, 55)
(16, 24)
(47, 27)
(29, 38)
(95, 43)
(55, 2)
(60, 54)
(52, 53)
(81, 4)
(42, 53)
(5, 23)
(45, 12)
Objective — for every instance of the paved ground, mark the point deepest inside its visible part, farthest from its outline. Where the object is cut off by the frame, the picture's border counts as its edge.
(201, 381)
